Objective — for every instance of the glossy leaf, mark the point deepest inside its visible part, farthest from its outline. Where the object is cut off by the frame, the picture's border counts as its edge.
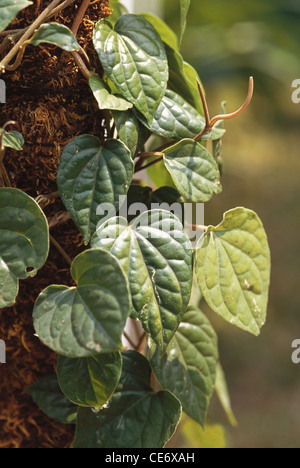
(176, 119)
(233, 269)
(134, 58)
(57, 34)
(156, 254)
(48, 396)
(88, 319)
(132, 132)
(91, 174)
(104, 98)
(9, 9)
(188, 369)
(89, 381)
(135, 417)
(12, 139)
(24, 241)
(193, 170)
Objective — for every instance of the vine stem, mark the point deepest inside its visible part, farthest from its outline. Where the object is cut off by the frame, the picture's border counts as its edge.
(61, 250)
(28, 33)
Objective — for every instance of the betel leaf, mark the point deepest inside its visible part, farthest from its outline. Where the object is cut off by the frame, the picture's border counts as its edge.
(46, 393)
(9, 9)
(89, 381)
(131, 131)
(194, 170)
(167, 35)
(117, 10)
(92, 174)
(12, 139)
(104, 98)
(233, 269)
(156, 254)
(57, 34)
(134, 58)
(135, 417)
(177, 119)
(24, 241)
(188, 368)
(88, 319)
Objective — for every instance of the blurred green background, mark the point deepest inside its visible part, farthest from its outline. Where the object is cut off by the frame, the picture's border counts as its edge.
(227, 41)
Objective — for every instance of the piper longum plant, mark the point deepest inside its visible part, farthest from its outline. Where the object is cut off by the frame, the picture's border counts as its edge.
(139, 270)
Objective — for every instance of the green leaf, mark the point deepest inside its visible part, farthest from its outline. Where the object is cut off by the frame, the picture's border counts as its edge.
(104, 98)
(184, 9)
(135, 417)
(118, 9)
(89, 381)
(159, 175)
(49, 398)
(156, 254)
(233, 269)
(90, 318)
(130, 130)
(212, 437)
(176, 119)
(193, 170)
(134, 58)
(167, 35)
(91, 174)
(188, 369)
(223, 395)
(9, 9)
(12, 139)
(57, 34)
(24, 241)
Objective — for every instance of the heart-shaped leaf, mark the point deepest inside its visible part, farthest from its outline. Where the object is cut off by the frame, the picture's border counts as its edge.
(156, 254)
(188, 368)
(48, 396)
(103, 96)
(135, 417)
(89, 381)
(57, 34)
(233, 269)
(24, 241)
(176, 119)
(91, 174)
(193, 170)
(12, 139)
(88, 319)
(134, 58)
(9, 9)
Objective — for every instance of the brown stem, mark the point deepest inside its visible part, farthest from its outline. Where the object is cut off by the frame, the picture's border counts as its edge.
(61, 250)
(79, 17)
(138, 169)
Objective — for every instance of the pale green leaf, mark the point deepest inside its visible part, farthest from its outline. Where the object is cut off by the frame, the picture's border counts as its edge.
(12, 139)
(104, 98)
(233, 269)
(223, 395)
(213, 436)
(57, 34)
(9, 9)
(184, 9)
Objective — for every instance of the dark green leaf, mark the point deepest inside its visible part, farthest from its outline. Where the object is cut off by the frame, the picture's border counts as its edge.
(188, 369)
(12, 139)
(134, 58)
(24, 241)
(156, 254)
(233, 269)
(9, 9)
(89, 381)
(193, 170)
(50, 399)
(91, 174)
(131, 131)
(103, 96)
(135, 417)
(176, 119)
(88, 319)
(57, 34)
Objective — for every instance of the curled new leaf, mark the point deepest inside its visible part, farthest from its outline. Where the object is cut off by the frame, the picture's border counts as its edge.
(233, 269)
